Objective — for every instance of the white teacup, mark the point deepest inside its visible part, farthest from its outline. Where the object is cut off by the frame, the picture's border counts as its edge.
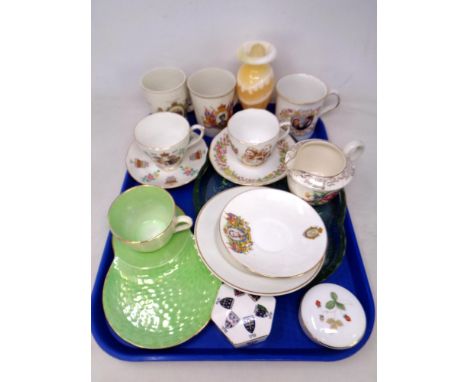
(253, 134)
(302, 99)
(212, 92)
(165, 137)
(165, 90)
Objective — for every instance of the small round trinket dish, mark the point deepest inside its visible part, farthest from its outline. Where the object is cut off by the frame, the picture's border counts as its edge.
(332, 316)
(244, 318)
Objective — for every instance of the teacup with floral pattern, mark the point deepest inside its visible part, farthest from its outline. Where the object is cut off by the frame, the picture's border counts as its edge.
(253, 134)
(165, 138)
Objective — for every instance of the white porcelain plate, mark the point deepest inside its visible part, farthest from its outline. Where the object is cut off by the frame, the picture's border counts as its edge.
(332, 316)
(228, 165)
(273, 233)
(223, 265)
(145, 171)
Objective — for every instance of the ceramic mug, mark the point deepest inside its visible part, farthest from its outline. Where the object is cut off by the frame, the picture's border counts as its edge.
(144, 218)
(317, 170)
(212, 91)
(165, 90)
(302, 99)
(165, 137)
(253, 134)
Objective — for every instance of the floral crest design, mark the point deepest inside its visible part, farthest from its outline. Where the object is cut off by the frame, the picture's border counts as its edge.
(219, 117)
(167, 159)
(255, 157)
(150, 176)
(188, 171)
(319, 198)
(238, 233)
(313, 232)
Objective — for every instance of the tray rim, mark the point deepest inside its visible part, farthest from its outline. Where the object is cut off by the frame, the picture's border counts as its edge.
(250, 355)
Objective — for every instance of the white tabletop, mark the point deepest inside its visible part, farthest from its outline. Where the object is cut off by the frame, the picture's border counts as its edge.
(125, 45)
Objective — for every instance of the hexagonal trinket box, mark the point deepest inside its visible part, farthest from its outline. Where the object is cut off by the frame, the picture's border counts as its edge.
(244, 319)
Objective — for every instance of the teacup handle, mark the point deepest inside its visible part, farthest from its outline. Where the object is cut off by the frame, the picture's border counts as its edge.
(199, 136)
(286, 127)
(353, 150)
(330, 107)
(182, 223)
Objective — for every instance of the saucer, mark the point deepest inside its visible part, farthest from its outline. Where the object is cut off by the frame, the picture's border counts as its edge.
(227, 165)
(156, 306)
(273, 233)
(332, 316)
(141, 167)
(222, 264)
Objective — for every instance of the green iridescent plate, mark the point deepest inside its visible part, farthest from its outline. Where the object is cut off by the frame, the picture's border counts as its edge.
(333, 213)
(160, 299)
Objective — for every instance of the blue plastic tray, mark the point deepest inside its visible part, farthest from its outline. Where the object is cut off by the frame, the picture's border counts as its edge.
(287, 341)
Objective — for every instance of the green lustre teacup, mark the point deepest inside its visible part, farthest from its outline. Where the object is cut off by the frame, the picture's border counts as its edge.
(144, 218)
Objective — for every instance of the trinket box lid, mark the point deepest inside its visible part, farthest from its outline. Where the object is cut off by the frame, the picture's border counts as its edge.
(332, 316)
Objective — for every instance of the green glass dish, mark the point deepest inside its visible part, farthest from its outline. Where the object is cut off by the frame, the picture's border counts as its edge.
(159, 299)
(209, 183)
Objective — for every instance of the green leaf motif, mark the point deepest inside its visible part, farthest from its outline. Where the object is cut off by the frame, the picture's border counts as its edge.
(330, 304)
(339, 305)
(334, 296)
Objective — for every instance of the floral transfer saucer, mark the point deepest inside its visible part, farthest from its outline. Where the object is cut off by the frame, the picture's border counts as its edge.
(227, 165)
(145, 171)
(273, 233)
(224, 267)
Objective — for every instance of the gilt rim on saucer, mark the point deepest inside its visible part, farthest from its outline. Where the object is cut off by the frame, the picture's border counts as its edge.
(222, 271)
(220, 142)
(240, 259)
(152, 175)
(133, 297)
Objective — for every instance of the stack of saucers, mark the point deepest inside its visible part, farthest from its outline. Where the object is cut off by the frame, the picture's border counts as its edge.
(157, 292)
(261, 240)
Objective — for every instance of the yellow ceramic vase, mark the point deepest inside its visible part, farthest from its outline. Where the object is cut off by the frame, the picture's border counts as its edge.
(255, 78)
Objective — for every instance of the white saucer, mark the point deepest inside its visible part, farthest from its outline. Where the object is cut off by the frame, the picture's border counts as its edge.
(222, 264)
(273, 233)
(228, 165)
(145, 171)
